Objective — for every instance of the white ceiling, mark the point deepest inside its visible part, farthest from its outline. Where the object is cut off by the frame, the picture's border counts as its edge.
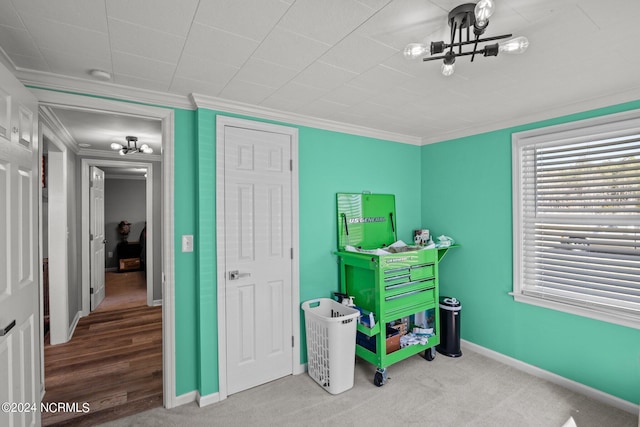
(92, 130)
(335, 60)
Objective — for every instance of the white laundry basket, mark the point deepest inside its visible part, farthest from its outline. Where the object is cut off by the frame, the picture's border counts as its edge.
(331, 343)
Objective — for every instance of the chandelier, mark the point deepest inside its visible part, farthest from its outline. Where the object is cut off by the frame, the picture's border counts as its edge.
(131, 149)
(462, 20)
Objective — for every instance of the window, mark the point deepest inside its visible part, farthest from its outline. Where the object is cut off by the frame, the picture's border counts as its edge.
(576, 213)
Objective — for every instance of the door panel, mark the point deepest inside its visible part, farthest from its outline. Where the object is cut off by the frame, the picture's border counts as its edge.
(5, 240)
(19, 273)
(258, 240)
(25, 254)
(28, 363)
(96, 230)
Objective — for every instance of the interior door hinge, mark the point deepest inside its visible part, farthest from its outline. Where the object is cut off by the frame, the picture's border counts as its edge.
(292, 341)
(291, 253)
(290, 164)
(91, 291)
(90, 236)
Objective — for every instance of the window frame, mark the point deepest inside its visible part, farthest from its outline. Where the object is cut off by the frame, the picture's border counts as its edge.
(603, 126)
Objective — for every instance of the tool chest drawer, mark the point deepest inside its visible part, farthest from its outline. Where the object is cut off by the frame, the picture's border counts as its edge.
(405, 288)
(422, 271)
(409, 274)
(407, 301)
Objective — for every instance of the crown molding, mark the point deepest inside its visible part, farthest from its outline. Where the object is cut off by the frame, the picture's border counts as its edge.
(58, 130)
(49, 81)
(39, 79)
(608, 100)
(227, 106)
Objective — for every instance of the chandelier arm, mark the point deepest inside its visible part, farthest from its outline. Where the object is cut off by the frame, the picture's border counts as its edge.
(471, 52)
(453, 36)
(468, 34)
(475, 47)
(433, 58)
(486, 39)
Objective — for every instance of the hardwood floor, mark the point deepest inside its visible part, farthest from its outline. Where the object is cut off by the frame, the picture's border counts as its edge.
(113, 363)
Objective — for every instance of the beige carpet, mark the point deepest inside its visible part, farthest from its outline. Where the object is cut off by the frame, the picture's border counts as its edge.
(472, 390)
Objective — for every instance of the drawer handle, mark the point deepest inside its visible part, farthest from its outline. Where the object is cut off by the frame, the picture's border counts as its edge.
(404, 276)
(413, 267)
(396, 270)
(6, 330)
(407, 294)
(402, 285)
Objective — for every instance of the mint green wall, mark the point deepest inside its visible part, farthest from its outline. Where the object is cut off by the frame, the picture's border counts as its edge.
(460, 187)
(332, 162)
(186, 321)
(329, 162)
(466, 193)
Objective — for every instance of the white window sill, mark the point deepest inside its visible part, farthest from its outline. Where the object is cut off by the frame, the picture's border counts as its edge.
(622, 319)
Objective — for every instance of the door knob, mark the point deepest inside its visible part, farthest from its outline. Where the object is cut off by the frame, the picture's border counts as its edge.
(235, 275)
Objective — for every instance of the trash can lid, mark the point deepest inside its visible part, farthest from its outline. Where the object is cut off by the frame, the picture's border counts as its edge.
(449, 303)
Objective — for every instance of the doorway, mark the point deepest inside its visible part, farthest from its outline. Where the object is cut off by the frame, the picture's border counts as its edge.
(139, 168)
(258, 286)
(163, 204)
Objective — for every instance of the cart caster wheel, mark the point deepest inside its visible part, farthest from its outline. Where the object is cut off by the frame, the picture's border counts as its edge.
(377, 380)
(430, 354)
(380, 377)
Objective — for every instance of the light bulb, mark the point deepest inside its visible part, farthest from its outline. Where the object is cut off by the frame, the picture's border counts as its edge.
(146, 149)
(448, 69)
(116, 146)
(121, 152)
(517, 45)
(483, 11)
(415, 50)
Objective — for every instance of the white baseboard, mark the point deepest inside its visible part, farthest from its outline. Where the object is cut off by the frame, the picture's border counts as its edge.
(598, 395)
(183, 399)
(209, 399)
(156, 302)
(72, 328)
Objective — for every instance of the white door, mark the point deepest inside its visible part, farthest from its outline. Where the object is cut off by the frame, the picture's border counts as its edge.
(19, 270)
(258, 230)
(96, 236)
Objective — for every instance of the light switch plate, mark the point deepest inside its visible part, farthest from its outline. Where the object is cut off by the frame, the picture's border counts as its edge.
(187, 243)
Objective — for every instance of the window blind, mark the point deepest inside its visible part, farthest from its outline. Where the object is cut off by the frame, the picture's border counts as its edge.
(580, 222)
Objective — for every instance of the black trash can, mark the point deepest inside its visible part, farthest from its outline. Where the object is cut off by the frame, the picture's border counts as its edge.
(449, 327)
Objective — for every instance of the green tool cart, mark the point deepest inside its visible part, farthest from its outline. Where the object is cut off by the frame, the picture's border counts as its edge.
(395, 287)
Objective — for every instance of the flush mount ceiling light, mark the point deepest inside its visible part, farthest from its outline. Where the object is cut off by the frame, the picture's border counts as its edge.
(461, 20)
(132, 147)
(100, 75)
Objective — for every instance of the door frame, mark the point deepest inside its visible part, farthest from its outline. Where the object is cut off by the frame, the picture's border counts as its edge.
(85, 249)
(221, 122)
(57, 247)
(167, 117)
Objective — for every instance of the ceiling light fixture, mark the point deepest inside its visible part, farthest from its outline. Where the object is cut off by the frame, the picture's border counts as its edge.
(131, 149)
(465, 17)
(100, 75)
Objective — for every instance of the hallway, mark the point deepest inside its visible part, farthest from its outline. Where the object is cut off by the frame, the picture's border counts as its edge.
(113, 363)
